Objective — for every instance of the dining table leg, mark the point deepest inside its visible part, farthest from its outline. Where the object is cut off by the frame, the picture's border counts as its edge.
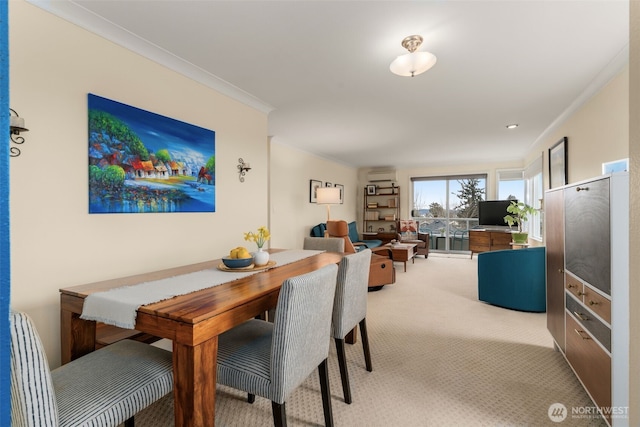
(77, 336)
(194, 383)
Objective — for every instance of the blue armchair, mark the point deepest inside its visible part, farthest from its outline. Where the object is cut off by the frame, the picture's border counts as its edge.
(318, 231)
(513, 278)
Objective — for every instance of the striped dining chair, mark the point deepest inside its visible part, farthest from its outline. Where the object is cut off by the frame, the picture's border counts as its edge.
(350, 310)
(272, 359)
(104, 388)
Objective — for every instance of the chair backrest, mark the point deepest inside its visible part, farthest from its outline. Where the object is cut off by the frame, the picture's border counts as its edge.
(350, 302)
(513, 278)
(329, 244)
(33, 400)
(300, 328)
(318, 230)
(341, 229)
(353, 232)
(408, 229)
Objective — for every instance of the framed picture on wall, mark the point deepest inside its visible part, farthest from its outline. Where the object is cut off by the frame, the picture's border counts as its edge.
(313, 190)
(341, 187)
(143, 162)
(371, 190)
(558, 173)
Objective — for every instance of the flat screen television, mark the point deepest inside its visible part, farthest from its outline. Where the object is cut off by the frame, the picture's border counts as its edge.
(491, 213)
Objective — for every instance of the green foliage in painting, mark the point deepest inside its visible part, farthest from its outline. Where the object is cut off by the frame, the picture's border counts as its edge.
(95, 173)
(163, 155)
(113, 176)
(118, 133)
(211, 165)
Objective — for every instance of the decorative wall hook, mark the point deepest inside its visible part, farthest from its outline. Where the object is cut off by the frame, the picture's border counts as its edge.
(243, 168)
(16, 125)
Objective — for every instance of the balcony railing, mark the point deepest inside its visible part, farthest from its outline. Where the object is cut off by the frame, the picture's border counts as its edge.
(447, 234)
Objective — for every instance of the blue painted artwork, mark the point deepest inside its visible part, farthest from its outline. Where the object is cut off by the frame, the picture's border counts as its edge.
(142, 162)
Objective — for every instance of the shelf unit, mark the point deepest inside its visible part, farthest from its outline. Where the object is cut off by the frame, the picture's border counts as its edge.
(381, 212)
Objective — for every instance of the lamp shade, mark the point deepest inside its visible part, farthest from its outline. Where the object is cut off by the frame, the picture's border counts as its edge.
(412, 64)
(328, 195)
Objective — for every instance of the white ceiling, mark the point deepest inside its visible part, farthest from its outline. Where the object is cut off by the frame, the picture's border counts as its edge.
(321, 68)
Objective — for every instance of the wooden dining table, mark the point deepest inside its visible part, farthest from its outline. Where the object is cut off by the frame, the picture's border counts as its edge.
(193, 322)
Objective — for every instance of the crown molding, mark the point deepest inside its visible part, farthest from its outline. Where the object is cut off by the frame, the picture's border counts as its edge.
(612, 69)
(78, 15)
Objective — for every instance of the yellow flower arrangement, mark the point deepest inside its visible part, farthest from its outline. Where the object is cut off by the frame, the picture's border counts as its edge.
(259, 238)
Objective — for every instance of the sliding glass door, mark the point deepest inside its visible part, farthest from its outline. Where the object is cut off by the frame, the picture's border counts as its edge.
(447, 207)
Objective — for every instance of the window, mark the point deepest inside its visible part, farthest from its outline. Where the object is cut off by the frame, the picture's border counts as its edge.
(447, 207)
(533, 197)
(510, 184)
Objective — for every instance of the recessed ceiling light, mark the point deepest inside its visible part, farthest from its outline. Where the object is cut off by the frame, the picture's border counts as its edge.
(512, 126)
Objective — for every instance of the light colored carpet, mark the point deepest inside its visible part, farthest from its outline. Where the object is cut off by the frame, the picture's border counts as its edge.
(440, 358)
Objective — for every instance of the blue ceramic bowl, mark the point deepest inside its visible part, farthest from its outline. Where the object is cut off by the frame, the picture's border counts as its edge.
(237, 262)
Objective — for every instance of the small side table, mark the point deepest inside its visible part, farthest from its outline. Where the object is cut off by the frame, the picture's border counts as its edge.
(519, 245)
(403, 252)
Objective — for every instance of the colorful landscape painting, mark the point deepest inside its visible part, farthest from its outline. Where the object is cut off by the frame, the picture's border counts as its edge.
(142, 162)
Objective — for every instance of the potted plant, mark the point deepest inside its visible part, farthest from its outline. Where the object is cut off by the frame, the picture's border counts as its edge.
(518, 213)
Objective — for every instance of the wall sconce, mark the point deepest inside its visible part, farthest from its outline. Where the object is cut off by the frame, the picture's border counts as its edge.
(243, 168)
(16, 125)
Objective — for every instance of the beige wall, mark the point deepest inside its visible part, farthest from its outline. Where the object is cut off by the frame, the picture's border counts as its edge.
(597, 133)
(55, 242)
(292, 216)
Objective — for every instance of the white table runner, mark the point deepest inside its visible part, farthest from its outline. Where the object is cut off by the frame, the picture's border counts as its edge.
(119, 306)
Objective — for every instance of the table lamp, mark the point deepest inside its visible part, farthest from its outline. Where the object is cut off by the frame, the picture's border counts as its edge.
(328, 196)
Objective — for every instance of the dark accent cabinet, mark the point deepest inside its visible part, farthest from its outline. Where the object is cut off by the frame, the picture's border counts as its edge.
(554, 239)
(587, 240)
(588, 236)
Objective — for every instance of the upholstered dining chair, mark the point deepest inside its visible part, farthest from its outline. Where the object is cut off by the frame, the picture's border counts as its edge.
(329, 244)
(350, 310)
(104, 388)
(272, 359)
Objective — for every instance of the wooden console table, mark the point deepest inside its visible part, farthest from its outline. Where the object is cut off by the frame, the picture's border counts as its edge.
(488, 240)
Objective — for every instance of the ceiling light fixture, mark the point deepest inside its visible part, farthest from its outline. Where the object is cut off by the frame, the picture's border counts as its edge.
(512, 126)
(413, 63)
